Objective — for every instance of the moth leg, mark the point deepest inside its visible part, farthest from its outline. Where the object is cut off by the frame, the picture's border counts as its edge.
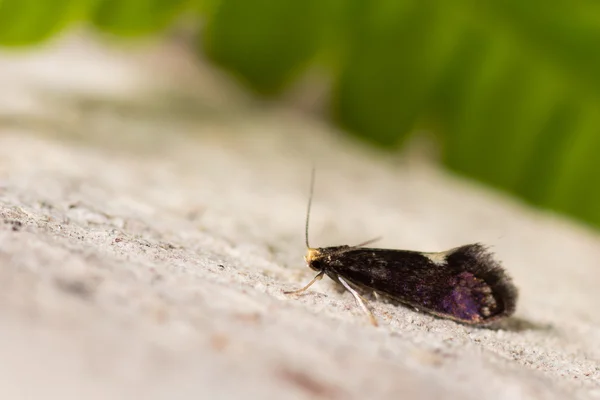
(360, 300)
(315, 279)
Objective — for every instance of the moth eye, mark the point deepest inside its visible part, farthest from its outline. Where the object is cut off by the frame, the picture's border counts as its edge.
(316, 265)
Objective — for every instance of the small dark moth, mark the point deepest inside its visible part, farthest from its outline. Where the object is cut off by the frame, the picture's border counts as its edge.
(464, 284)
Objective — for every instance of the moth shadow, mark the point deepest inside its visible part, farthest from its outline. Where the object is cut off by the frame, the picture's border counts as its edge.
(511, 324)
(516, 324)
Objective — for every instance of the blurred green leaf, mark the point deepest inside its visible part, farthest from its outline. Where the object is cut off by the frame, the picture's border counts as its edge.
(266, 42)
(510, 87)
(575, 189)
(524, 117)
(136, 17)
(396, 51)
(25, 22)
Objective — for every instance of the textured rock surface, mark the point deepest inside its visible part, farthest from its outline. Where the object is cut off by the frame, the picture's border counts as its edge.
(145, 245)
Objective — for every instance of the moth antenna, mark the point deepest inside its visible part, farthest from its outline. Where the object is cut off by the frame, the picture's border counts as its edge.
(363, 244)
(342, 251)
(310, 196)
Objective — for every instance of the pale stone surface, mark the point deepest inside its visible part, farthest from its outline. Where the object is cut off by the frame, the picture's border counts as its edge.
(144, 248)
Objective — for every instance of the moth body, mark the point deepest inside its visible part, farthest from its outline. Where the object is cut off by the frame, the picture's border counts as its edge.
(465, 284)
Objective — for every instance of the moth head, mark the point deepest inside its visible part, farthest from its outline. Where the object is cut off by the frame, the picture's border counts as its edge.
(313, 259)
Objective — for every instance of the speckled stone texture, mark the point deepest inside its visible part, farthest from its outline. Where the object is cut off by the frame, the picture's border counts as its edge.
(151, 216)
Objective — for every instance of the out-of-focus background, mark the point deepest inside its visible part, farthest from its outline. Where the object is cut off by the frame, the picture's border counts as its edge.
(508, 91)
(155, 159)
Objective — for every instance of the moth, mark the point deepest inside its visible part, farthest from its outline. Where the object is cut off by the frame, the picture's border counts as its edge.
(465, 284)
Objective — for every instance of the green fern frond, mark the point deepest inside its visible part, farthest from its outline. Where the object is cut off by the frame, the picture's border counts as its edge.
(510, 87)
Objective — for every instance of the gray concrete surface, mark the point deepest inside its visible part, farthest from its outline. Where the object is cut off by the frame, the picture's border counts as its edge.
(145, 244)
